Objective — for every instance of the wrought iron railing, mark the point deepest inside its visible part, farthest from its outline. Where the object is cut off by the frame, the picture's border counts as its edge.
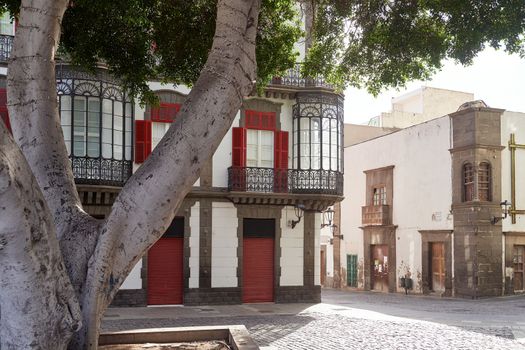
(100, 171)
(268, 180)
(295, 78)
(6, 45)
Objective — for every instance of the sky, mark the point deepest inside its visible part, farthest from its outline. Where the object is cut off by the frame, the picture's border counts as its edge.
(495, 77)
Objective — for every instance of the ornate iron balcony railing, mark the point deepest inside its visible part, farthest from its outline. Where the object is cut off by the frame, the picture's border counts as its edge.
(100, 171)
(294, 77)
(269, 180)
(6, 45)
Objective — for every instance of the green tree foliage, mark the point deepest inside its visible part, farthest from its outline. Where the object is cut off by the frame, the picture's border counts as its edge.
(379, 43)
(141, 40)
(372, 44)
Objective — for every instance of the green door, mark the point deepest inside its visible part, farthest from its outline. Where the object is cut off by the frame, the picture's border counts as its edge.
(351, 270)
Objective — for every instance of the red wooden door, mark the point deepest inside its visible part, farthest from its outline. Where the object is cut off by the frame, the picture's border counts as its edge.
(380, 267)
(165, 272)
(438, 266)
(257, 270)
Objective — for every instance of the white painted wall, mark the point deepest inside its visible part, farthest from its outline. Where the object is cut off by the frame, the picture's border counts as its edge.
(292, 254)
(224, 244)
(513, 122)
(222, 158)
(194, 246)
(317, 249)
(422, 187)
(133, 281)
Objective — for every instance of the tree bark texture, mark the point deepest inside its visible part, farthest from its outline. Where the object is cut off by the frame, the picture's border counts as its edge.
(56, 249)
(39, 309)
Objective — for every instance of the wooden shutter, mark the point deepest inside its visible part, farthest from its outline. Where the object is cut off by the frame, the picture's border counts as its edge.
(142, 140)
(4, 114)
(281, 161)
(239, 147)
(259, 120)
(165, 113)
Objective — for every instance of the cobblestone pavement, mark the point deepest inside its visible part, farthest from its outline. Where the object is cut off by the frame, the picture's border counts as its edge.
(335, 324)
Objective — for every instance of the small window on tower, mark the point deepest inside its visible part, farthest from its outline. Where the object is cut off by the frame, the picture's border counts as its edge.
(484, 182)
(468, 182)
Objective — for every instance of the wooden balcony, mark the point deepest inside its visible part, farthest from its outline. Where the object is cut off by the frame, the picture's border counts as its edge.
(375, 215)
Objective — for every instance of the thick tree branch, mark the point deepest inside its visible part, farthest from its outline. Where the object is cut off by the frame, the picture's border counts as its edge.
(148, 202)
(32, 102)
(39, 309)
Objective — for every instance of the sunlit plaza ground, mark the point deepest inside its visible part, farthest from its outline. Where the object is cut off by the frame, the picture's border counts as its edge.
(353, 320)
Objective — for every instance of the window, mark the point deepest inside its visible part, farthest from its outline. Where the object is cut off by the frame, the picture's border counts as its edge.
(157, 132)
(259, 148)
(379, 196)
(484, 182)
(468, 182)
(6, 24)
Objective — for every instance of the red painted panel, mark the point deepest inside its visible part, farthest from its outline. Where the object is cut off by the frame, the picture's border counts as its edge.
(4, 114)
(257, 270)
(165, 272)
(165, 113)
(142, 140)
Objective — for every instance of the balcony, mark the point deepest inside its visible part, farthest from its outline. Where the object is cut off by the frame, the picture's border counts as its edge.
(269, 180)
(6, 45)
(294, 78)
(100, 171)
(375, 215)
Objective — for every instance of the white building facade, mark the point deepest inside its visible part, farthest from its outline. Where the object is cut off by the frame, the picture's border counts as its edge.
(249, 230)
(424, 203)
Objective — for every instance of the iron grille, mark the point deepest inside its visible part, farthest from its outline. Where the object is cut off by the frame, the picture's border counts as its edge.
(100, 171)
(6, 45)
(269, 180)
(294, 77)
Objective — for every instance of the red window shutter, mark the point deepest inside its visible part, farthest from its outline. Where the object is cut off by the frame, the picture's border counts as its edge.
(142, 140)
(259, 120)
(165, 113)
(239, 147)
(281, 150)
(4, 114)
(281, 161)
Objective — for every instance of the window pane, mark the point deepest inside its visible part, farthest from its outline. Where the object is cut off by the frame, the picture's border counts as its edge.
(6, 26)
(157, 132)
(79, 129)
(252, 147)
(266, 155)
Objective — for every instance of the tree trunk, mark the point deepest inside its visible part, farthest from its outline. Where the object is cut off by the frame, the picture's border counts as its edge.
(39, 309)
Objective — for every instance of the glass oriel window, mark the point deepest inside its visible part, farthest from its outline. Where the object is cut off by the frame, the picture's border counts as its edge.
(318, 132)
(96, 119)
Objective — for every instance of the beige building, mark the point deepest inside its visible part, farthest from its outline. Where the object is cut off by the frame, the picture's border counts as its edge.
(420, 105)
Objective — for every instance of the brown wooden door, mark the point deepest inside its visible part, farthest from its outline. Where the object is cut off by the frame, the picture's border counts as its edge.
(438, 266)
(379, 267)
(519, 272)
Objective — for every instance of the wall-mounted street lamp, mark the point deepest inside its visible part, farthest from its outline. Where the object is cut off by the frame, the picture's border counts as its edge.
(298, 209)
(328, 217)
(504, 209)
